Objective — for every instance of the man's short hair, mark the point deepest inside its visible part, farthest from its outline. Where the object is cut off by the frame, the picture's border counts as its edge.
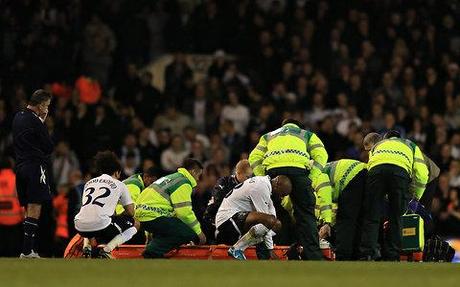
(38, 97)
(371, 139)
(242, 165)
(152, 171)
(292, 121)
(191, 164)
(392, 134)
(106, 162)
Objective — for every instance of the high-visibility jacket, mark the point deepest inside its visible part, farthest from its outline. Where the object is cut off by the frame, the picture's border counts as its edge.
(135, 185)
(11, 212)
(433, 169)
(323, 191)
(286, 203)
(169, 196)
(335, 178)
(322, 188)
(405, 154)
(60, 205)
(288, 146)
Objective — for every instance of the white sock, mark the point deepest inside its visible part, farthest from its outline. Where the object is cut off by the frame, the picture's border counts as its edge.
(120, 239)
(86, 243)
(254, 236)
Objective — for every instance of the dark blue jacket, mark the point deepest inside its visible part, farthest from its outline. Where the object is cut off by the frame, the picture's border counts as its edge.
(32, 143)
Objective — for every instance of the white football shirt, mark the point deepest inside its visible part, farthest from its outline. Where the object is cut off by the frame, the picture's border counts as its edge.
(251, 195)
(254, 194)
(100, 198)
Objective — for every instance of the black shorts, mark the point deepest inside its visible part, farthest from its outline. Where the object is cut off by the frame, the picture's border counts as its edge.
(32, 183)
(231, 230)
(116, 227)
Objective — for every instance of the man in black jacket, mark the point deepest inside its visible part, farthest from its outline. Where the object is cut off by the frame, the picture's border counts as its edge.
(223, 186)
(33, 147)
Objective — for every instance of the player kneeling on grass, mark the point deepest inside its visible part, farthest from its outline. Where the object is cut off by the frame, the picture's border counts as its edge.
(100, 197)
(165, 210)
(247, 215)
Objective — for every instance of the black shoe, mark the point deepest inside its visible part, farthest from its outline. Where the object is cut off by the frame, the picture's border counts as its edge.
(104, 254)
(293, 252)
(87, 252)
(149, 255)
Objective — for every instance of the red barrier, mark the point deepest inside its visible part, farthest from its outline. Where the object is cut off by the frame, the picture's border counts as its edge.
(204, 252)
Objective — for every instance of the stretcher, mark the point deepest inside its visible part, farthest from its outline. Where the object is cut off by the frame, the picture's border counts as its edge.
(203, 252)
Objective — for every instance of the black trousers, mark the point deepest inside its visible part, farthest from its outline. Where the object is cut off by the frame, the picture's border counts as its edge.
(349, 218)
(303, 201)
(384, 180)
(426, 200)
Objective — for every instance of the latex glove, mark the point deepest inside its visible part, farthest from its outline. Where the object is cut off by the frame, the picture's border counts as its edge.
(414, 205)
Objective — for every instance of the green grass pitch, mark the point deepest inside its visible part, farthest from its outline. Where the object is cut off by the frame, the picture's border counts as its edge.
(190, 273)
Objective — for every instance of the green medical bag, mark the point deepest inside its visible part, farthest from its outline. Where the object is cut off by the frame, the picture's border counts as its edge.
(412, 233)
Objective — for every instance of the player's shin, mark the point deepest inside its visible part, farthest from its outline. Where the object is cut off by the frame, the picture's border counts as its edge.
(254, 236)
(30, 230)
(120, 239)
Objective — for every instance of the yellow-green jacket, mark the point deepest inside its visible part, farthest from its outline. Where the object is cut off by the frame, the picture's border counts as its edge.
(405, 154)
(169, 196)
(135, 185)
(323, 190)
(286, 203)
(335, 178)
(288, 146)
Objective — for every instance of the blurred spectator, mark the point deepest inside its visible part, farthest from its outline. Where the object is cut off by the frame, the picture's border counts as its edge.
(130, 149)
(331, 139)
(130, 165)
(197, 151)
(236, 112)
(145, 145)
(350, 118)
(191, 134)
(171, 119)
(454, 174)
(198, 107)
(219, 65)
(233, 140)
(98, 45)
(172, 157)
(64, 161)
(390, 124)
(176, 75)
(148, 101)
(128, 86)
(317, 111)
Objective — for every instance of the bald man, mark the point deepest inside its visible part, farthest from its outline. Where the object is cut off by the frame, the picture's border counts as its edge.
(247, 215)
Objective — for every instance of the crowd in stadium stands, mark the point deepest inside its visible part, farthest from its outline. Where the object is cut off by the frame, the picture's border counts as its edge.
(344, 68)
